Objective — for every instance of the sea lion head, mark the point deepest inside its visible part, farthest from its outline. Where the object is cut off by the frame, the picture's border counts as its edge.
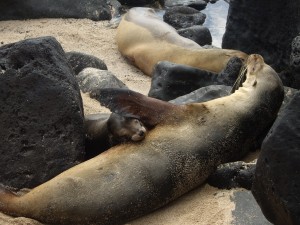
(123, 128)
(253, 67)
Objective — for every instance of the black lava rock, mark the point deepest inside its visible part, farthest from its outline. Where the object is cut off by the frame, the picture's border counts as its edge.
(170, 80)
(203, 94)
(41, 115)
(295, 54)
(137, 2)
(233, 175)
(80, 61)
(196, 4)
(277, 177)
(231, 72)
(199, 34)
(183, 17)
(199, 5)
(266, 27)
(33, 9)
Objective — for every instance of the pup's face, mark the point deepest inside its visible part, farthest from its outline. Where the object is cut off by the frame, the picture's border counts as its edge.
(130, 129)
(137, 129)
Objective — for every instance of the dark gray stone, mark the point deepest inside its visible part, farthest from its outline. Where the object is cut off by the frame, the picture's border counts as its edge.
(197, 4)
(231, 72)
(183, 17)
(80, 61)
(33, 9)
(289, 94)
(92, 80)
(266, 27)
(170, 80)
(288, 78)
(199, 34)
(295, 55)
(137, 2)
(203, 94)
(291, 76)
(233, 175)
(41, 115)
(277, 177)
(247, 211)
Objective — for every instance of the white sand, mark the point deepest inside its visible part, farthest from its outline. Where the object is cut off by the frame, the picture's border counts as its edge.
(203, 206)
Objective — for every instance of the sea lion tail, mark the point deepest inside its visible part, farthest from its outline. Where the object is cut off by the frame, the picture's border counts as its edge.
(7, 200)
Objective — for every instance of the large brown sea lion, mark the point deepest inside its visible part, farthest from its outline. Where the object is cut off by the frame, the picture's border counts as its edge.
(186, 145)
(145, 40)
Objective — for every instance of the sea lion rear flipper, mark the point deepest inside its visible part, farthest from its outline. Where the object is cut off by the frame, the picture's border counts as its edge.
(149, 111)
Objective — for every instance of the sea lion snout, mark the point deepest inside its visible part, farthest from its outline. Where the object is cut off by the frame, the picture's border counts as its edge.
(255, 63)
(140, 132)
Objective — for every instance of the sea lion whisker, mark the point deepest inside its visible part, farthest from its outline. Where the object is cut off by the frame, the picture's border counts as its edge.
(241, 78)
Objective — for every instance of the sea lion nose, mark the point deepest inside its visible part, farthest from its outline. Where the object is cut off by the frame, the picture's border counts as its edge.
(141, 133)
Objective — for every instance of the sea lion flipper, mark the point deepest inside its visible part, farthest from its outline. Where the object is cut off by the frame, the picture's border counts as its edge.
(6, 200)
(149, 111)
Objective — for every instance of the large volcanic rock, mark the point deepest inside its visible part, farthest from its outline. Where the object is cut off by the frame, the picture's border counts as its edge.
(41, 115)
(171, 80)
(277, 177)
(266, 27)
(137, 2)
(32, 9)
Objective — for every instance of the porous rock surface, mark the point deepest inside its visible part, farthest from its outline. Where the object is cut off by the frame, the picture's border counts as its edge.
(183, 17)
(277, 177)
(33, 9)
(265, 27)
(41, 115)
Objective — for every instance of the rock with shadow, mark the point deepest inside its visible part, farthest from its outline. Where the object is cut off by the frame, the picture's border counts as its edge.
(199, 34)
(41, 115)
(170, 80)
(265, 27)
(277, 177)
(233, 175)
(196, 4)
(203, 94)
(183, 17)
(34, 9)
(137, 2)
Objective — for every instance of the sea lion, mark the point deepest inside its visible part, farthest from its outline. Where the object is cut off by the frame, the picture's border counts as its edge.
(185, 146)
(145, 39)
(104, 130)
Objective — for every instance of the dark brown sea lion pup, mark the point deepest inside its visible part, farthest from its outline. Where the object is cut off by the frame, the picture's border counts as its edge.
(186, 145)
(145, 40)
(104, 130)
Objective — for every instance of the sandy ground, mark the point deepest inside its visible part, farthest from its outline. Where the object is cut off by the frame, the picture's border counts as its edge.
(205, 205)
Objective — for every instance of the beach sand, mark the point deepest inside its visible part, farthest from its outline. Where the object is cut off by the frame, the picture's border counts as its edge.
(205, 205)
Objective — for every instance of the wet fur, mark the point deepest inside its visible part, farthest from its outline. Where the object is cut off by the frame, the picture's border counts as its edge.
(185, 146)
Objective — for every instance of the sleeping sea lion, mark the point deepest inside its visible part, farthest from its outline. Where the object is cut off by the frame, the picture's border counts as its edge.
(104, 130)
(185, 146)
(145, 39)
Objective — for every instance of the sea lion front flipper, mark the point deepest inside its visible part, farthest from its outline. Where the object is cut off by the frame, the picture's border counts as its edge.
(149, 111)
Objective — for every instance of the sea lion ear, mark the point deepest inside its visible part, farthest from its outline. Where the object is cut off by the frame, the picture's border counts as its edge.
(149, 111)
